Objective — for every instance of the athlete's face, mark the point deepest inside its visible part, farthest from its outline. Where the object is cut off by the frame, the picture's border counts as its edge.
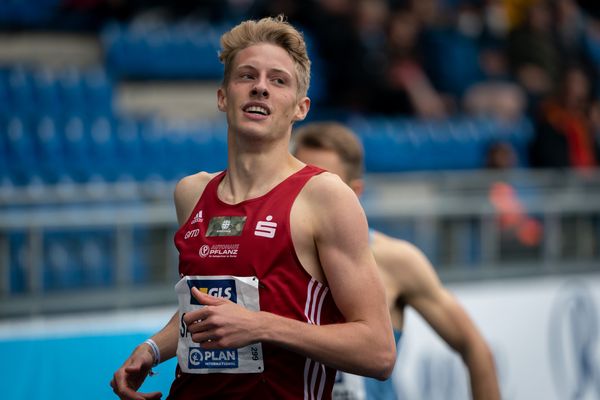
(261, 96)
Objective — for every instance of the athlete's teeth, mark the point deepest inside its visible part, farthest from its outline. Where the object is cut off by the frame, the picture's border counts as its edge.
(257, 109)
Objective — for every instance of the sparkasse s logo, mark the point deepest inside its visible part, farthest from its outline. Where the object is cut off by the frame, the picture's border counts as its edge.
(266, 228)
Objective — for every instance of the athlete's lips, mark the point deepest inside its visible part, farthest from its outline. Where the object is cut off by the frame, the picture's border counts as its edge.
(257, 108)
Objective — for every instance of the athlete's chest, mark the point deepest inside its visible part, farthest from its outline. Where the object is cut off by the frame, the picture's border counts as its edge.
(240, 238)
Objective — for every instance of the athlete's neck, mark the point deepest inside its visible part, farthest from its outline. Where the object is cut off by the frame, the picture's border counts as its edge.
(253, 175)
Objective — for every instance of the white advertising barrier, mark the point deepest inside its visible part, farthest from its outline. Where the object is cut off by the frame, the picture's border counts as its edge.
(544, 333)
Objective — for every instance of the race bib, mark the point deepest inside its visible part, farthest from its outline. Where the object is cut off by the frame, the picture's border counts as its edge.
(191, 356)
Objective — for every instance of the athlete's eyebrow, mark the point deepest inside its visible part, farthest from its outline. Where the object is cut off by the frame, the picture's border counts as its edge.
(276, 70)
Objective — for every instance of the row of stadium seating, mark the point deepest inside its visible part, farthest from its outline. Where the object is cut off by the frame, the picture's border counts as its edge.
(398, 144)
(157, 50)
(27, 13)
(68, 91)
(76, 259)
(79, 149)
(185, 51)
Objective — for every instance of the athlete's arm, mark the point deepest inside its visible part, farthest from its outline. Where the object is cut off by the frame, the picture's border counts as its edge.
(423, 291)
(130, 376)
(330, 216)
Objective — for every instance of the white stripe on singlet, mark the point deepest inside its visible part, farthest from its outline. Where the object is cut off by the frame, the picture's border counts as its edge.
(312, 369)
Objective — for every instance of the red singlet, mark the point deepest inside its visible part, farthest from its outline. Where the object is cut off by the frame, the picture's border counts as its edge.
(253, 238)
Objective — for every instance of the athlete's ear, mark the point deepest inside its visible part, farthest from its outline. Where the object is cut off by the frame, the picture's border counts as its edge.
(302, 109)
(221, 99)
(358, 186)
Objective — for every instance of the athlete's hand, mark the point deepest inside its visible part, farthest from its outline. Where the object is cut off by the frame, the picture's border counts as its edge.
(221, 323)
(128, 379)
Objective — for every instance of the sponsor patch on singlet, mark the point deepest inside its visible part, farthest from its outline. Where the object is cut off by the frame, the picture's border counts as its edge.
(191, 356)
(226, 226)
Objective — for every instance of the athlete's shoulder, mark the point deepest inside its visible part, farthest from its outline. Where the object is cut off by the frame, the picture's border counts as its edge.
(400, 258)
(187, 192)
(331, 208)
(386, 244)
(321, 187)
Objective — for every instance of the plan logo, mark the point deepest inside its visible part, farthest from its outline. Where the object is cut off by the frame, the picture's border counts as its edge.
(200, 358)
(266, 228)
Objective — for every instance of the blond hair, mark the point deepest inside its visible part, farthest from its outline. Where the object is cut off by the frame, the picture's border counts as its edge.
(335, 137)
(276, 31)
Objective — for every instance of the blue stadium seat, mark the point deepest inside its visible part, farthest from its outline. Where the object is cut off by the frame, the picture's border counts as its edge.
(176, 142)
(143, 255)
(76, 147)
(72, 91)
(47, 92)
(21, 92)
(102, 147)
(6, 110)
(153, 149)
(218, 157)
(4, 173)
(95, 255)
(60, 268)
(22, 162)
(129, 151)
(49, 150)
(18, 251)
(98, 92)
(200, 149)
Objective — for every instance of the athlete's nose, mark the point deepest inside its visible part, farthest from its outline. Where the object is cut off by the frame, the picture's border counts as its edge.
(260, 89)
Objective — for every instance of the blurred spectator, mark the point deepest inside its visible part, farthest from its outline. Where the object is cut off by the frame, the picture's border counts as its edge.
(533, 52)
(503, 100)
(595, 126)
(406, 88)
(497, 94)
(339, 47)
(590, 6)
(570, 25)
(501, 156)
(450, 44)
(429, 13)
(591, 43)
(520, 234)
(564, 135)
(369, 21)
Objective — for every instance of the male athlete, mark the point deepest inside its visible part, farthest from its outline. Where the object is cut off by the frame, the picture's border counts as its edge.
(278, 286)
(408, 276)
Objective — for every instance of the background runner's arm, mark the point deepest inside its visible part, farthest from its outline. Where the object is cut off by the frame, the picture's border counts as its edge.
(426, 294)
